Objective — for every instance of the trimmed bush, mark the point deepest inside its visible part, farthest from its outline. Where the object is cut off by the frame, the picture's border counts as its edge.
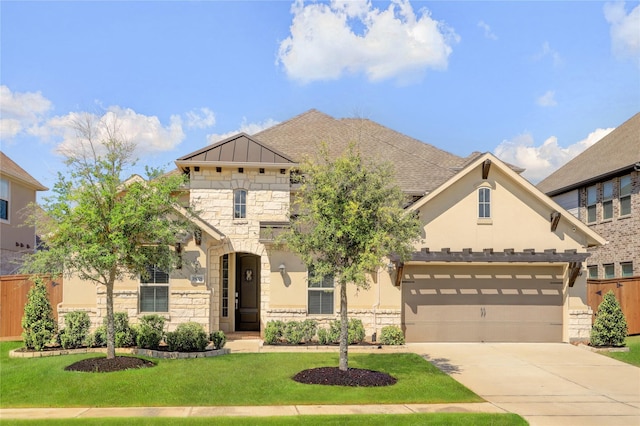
(293, 332)
(218, 339)
(273, 332)
(309, 328)
(610, 326)
(188, 337)
(125, 334)
(356, 331)
(334, 331)
(38, 323)
(323, 336)
(76, 331)
(391, 335)
(98, 339)
(150, 331)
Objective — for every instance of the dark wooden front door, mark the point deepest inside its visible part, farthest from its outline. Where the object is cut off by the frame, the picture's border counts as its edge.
(248, 292)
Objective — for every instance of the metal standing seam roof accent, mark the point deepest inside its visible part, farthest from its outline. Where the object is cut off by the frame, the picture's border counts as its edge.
(614, 153)
(11, 169)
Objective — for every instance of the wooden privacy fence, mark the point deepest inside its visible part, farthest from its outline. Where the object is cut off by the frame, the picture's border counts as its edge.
(13, 296)
(626, 290)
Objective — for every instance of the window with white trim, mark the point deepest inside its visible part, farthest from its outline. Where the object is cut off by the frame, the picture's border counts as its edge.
(627, 269)
(607, 200)
(240, 204)
(154, 291)
(593, 272)
(592, 200)
(609, 271)
(484, 203)
(625, 195)
(4, 200)
(320, 294)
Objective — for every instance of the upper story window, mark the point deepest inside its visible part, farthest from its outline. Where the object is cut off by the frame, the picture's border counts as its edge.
(607, 200)
(240, 204)
(320, 294)
(154, 291)
(609, 271)
(625, 195)
(4, 200)
(627, 269)
(592, 199)
(484, 203)
(593, 272)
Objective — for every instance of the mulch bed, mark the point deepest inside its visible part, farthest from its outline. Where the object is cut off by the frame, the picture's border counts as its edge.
(105, 365)
(352, 377)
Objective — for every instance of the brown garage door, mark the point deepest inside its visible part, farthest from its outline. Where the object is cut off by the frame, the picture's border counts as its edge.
(482, 303)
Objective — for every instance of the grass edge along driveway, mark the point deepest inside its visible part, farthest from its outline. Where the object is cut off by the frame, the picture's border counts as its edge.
(236, 379)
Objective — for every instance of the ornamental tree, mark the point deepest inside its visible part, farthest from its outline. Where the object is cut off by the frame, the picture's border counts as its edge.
(349, 216)
(610, 326)
(38, 323)
(101, 228)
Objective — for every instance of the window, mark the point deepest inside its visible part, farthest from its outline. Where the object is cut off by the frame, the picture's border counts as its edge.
(320, 294)
(627, 269)
(607, 200)
(225, 285)
(609, 271)
(4, 199)
(593, 272)
(592, 198)
(240, 204)
(484, 203)
(154, 291)
(625, 195)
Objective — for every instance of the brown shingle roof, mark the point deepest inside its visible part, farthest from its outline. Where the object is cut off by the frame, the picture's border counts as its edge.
(10, 169)
(419, 167)
(616, 152)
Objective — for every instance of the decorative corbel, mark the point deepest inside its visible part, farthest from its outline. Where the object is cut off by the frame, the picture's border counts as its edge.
(485, 168)
(554, 219)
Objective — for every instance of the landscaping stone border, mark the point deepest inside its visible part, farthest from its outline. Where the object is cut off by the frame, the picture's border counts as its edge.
(604, 349)
(17, 353)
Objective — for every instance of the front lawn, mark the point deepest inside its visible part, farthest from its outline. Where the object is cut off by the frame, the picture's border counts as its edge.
(631, 357)
(237, 379)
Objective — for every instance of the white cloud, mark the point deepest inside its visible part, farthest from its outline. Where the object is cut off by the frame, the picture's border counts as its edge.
(625, 29)
(21, 111)
(248, 128)
(200, 118)
(326, 42)
(548, 99)
(547, 51)
(487, 30)
(541, 161)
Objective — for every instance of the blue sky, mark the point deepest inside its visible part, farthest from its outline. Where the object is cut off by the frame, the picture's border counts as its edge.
(533, 82)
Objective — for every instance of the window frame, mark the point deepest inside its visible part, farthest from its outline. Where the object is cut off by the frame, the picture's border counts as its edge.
(240, 205)
(608, 276)
(155, 282)
(624, 198)
(622, 269)
(592, 203)
(607, 200)
(590, 269)
(484, 203)
(224, 270)
(326, 286)
(5, 198)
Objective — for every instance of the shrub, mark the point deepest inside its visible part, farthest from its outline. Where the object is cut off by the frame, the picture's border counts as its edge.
(98, 338)
(218, 338)
(610, 326)
(356, 331)
(391, 335)
(273, 332)
(125, 334)
(309, 328)
(38, 323)
(334, 331)
(150, 331)
(323, 336)
(188, 337)
(293, 332)
(76, 331)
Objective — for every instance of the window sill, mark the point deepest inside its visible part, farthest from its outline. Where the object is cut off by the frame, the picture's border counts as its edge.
(626, 216)
(240, 222)
(485, 221)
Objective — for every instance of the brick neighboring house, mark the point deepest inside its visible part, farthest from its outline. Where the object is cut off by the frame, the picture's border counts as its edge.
(17, 189)
(601, 187)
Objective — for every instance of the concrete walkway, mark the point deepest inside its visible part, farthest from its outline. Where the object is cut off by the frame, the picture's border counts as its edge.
(547, 384)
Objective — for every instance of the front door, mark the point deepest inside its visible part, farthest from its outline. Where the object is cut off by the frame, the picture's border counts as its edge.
(247, 292)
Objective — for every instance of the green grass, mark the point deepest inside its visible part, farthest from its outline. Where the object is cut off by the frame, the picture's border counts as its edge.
(461, 419)
(631, 357)
(237, 379)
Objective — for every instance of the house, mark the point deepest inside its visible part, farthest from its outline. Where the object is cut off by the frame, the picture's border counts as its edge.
(601, 187)
(497, 260)
(17, 189)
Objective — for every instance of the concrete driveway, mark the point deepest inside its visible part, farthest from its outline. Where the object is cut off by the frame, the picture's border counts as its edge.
(546, 383)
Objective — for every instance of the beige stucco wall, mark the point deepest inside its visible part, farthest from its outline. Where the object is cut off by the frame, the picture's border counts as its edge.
(16, 239)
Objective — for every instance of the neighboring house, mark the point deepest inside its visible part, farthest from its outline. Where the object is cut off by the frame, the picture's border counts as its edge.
(17, 189)
(601, 187)
(497, 260)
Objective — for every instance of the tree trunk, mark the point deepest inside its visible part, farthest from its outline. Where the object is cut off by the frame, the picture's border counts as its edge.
(111, 337)
(344, 329)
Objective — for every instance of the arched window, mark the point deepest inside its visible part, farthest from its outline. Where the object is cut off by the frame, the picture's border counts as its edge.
(240, 204)
(484, 203)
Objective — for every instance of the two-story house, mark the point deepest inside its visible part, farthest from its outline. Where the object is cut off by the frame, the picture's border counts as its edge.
(497, 259)
(601, 187)
(17, 189)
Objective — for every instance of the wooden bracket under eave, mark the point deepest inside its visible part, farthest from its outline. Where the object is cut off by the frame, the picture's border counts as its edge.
(485, 168)
(574, 272)
(399, 273)
(555, 219)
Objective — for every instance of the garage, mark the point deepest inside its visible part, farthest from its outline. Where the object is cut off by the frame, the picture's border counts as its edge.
(483, 303)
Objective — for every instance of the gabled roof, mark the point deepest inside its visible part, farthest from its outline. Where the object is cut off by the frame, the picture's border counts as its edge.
(419, 167)
(10, 169)
(493, 161)
(240, 149)
(615, 153)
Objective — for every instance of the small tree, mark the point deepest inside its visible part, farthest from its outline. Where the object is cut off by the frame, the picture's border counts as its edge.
(610, 326)
(38, 323)
(349, 216)
(100, 227)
